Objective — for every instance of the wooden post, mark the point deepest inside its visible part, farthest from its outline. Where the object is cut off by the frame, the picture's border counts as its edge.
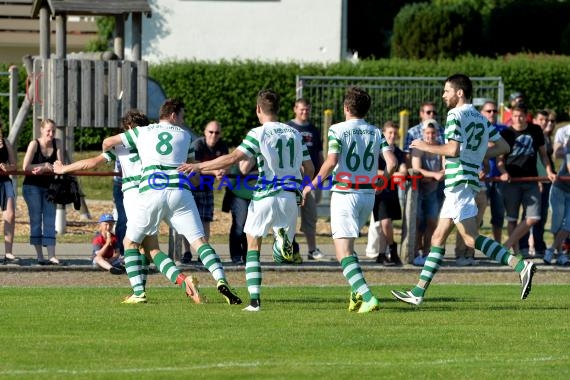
(409, 227)
(119, 38)
(404, 123)
(14, 77)
(136, 36)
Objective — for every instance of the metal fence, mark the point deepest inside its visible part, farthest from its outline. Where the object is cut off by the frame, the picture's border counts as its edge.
(390, 95)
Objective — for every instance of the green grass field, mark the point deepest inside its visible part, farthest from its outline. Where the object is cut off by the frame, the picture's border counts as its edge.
(461, 331)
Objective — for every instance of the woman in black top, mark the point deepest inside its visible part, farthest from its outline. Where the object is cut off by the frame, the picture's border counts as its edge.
(39, 159)
(7, 202)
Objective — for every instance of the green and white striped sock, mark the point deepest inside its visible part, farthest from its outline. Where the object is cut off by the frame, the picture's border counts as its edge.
(253, 274)
(353, 274)
(211, 261)
(492, 249)
(431, 266)
(134, 268)
(166, 266)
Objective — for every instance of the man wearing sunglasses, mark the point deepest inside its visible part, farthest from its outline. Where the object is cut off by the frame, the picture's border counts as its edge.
(490, 111)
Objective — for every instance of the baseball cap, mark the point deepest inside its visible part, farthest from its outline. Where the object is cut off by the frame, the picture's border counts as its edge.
(427, 122)
(106, 218)
(515, 95)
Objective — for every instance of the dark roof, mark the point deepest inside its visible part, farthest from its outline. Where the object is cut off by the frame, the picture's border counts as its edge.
(92, 7)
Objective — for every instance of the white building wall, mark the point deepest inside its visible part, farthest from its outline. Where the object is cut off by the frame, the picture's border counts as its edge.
(274, 30)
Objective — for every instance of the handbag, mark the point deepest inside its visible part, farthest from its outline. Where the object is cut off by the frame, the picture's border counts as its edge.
(64, 190)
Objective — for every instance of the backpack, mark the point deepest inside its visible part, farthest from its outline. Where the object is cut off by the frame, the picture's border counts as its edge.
(64, 190)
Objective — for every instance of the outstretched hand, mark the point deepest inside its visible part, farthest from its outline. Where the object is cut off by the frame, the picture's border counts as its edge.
(189, 168)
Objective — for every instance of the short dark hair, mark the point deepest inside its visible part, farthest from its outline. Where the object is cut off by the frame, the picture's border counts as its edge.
(169, 107)
(461, 82)
(268, 101)
(357, 101)
(521, 107)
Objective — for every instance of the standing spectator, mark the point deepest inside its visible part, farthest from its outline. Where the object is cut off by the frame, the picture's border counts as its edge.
(427, 111)
(313, 141)
(525, 141)
(206, 148)
(429, 165)
(351, 204)
(106, 254)
(467, 136)
(490, 111)
(560, 200)
(40, 156)
(386, 203)
(280, 153)
(237, 200)
(533, 243)
(516, 98)
(7, 196)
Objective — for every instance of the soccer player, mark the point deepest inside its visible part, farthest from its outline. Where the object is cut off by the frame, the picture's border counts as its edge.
(467, 134)
(137, 270)
(280, 153)
(354, 148)
(164, 195)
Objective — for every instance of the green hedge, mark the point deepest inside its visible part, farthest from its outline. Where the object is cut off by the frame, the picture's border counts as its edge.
(226, 91)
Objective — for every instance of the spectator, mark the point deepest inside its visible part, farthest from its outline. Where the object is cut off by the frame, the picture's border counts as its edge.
(533, 243)
(525, 141)
(429, 165)
(237, 200)
(7, 196)
(106, 254)
(560, 200)
(516, 98)
(490, 111)
(313, 141)
(38, 161)
(350, 204)
(427, 112)
(386, 203)
(206, 148)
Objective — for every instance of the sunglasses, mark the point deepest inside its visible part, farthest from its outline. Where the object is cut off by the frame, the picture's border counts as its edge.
(214, 132)
(491, 111)
(431, 112)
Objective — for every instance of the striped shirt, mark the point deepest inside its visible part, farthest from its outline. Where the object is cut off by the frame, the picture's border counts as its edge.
(473, 131)
(130, 165)
(358, 145)
(162, 148)
(280, 151)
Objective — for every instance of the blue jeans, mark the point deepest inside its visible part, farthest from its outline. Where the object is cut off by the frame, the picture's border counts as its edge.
(121, 225)
(42, 215)
(496, 204)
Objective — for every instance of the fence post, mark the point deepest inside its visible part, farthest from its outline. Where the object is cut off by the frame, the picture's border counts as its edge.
(323, 207)
(409, 227)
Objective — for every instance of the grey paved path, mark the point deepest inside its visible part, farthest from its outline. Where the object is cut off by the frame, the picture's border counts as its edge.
(76, 257)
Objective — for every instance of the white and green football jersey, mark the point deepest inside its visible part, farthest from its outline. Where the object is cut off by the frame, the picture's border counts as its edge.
(358, 145)
(130, 165)
(280, 151)
(162, 148)
(473, 131)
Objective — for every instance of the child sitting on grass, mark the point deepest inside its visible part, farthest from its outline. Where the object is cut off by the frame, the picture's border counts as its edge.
(105, 252)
